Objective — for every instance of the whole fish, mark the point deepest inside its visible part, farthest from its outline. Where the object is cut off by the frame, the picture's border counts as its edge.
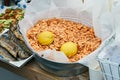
(5, 54)
(13, 48)
(16, 36)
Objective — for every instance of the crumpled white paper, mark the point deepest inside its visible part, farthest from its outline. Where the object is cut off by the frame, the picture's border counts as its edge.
(116, 14)
(112, 51)
(54, 55)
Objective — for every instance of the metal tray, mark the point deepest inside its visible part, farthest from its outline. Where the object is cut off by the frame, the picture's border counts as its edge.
(6, 53)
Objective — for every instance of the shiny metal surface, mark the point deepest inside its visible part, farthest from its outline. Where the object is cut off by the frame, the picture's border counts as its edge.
(61, 69)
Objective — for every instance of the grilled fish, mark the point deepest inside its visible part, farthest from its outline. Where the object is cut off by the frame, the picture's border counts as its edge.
(16, 36)
(6, 54)
(13, 48)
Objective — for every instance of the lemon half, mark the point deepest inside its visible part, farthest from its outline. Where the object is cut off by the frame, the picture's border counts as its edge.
(45, 38)
(69, 48)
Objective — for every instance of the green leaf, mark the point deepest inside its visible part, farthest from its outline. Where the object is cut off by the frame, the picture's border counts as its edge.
(1, 14)
(8, 21)
(11, 13)
(6, 26)
(2, 21)
(20, 17)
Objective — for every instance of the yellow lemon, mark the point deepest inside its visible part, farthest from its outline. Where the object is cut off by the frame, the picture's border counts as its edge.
(69, 48)
(45, 38)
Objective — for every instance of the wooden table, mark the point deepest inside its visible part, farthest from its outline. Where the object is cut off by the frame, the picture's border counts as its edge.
(32, 71)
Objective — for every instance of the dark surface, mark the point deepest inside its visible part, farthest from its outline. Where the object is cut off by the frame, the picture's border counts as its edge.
(12, 76)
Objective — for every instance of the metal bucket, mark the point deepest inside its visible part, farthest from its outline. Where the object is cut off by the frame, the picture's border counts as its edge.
(59, 69)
